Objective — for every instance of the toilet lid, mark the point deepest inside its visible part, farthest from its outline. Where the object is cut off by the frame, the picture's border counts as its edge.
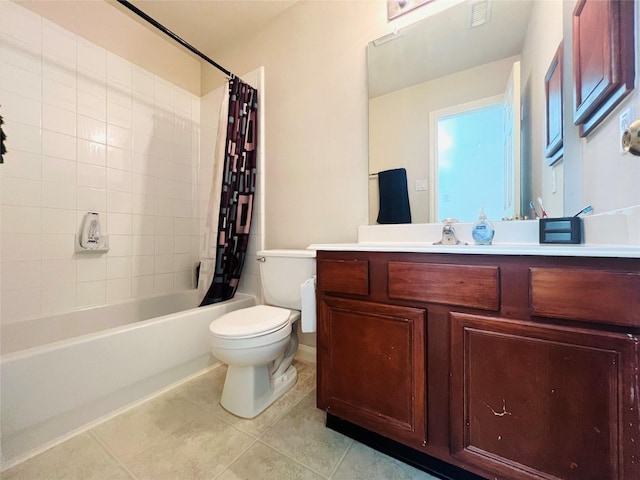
(250, 322)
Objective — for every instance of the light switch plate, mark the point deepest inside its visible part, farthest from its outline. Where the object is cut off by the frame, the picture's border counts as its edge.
(421, 185)
(625, 119)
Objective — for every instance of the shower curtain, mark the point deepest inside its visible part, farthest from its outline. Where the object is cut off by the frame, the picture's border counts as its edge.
(236, 187)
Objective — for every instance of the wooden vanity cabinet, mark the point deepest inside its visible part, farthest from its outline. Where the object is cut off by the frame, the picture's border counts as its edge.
(509, 367)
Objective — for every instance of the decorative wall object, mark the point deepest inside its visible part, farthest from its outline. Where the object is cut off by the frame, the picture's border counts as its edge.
(553, 120)
(395, 8)
(603, 59)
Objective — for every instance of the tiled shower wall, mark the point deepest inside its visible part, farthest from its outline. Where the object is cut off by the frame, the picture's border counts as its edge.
(89, 131)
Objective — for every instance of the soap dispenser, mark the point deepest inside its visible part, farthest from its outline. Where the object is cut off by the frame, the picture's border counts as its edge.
(483, 230)
(90, 238)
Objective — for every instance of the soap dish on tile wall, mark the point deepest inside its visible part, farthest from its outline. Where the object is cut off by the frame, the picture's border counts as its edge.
(101, 248)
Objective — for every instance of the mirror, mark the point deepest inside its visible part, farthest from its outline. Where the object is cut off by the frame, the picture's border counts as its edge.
(463, 59)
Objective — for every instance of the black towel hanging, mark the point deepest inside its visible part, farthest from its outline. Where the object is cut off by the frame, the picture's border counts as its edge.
(394, 197)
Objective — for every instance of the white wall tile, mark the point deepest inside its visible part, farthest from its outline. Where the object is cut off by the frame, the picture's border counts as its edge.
(91, 152)
(119, 245)
(91, 293)
(118, 267)
(20, 191)
(58, 145)
(91, 128)
(58, 42)
(21, 109)
(142, 265)
(183, 280)
(164, 263)
(55, 195)
(92, 58)
(119, 70)
(21, 55)
(20, 304)
(22, 165)
(92, 268)
(21, 24)
(21, 275)
(163, 244)
(59, 94)
(22, 137)
(119, 202)
(142, 286)
(163, 283)
(21, 82)
(119, 158)
(118, 180)
(91, 199)
(93, 106)
(143, 245)
(58, 120)
(143, 224)
(20, 247)
(57, 246)
(164, 225)
(75, 115)
(118, 289)
(94, 176)
(56, 220)
(58, 297)
(17, 219)
(119, 223)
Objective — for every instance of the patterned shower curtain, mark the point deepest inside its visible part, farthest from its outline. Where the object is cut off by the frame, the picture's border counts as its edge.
(238, 189)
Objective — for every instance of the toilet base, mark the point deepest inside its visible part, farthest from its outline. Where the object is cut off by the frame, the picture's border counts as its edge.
(248, 391)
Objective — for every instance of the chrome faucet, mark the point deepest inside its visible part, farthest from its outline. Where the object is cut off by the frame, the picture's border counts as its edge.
(449, 233)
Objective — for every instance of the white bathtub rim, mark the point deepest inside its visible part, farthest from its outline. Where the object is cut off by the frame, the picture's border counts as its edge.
(51, 346)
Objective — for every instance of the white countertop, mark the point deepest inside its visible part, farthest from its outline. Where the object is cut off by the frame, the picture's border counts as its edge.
(551, 250)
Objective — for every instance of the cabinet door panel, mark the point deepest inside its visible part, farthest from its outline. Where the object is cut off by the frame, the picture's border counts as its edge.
(532, 401)
(372, 366)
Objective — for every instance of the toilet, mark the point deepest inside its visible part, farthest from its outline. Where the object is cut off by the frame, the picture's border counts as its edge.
(258, 343)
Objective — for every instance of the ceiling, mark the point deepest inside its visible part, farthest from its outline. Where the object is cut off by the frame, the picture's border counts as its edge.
(445, 43)
(209, 25)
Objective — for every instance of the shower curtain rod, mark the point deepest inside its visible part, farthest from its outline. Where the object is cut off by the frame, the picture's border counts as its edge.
(168, 32)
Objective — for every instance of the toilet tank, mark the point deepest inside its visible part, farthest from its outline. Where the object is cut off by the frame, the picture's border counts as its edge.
(281, 274)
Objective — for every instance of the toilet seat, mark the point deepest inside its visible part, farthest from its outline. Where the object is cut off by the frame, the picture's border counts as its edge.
(250, 322)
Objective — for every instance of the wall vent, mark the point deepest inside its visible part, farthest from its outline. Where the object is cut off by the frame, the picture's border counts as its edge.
(480, 13)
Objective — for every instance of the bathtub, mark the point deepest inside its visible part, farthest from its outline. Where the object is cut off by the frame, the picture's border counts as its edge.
(62, 372)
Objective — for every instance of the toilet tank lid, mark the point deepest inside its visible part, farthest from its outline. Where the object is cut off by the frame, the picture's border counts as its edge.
(295, 253)
(250, 322)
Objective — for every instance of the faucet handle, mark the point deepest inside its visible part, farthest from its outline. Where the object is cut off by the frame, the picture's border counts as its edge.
(449, 221)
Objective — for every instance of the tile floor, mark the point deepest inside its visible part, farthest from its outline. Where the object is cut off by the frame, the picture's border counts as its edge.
(186, 434)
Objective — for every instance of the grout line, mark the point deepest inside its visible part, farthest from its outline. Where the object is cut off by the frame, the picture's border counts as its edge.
(294, 459)
(227, 466)
(341, 459)
(113, 454)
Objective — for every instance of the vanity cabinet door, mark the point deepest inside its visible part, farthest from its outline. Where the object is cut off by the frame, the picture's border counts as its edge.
(371, 367)
(531, 401)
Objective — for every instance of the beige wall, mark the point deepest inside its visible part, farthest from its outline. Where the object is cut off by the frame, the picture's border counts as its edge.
(543, 37)
(106, 25)
(316, 116)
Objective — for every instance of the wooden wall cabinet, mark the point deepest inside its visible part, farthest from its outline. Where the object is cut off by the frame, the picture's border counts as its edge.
(554, 126)
(508, 367)
(603, 59)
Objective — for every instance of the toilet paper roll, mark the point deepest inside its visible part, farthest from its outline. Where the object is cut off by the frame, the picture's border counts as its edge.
(308, 300)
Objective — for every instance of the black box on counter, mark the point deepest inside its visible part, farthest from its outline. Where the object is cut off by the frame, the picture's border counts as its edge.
(561, 230)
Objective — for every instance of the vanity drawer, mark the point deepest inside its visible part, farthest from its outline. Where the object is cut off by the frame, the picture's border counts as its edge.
(586, 294)
(461, 285)
(344, 276)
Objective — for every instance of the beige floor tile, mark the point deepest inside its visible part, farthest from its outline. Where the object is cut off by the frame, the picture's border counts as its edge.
(118, 473)
(132, 431)
(198, 450)
(364, 463)
(82, 458)
(262, 462)
(207, 390)
(301, 434)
